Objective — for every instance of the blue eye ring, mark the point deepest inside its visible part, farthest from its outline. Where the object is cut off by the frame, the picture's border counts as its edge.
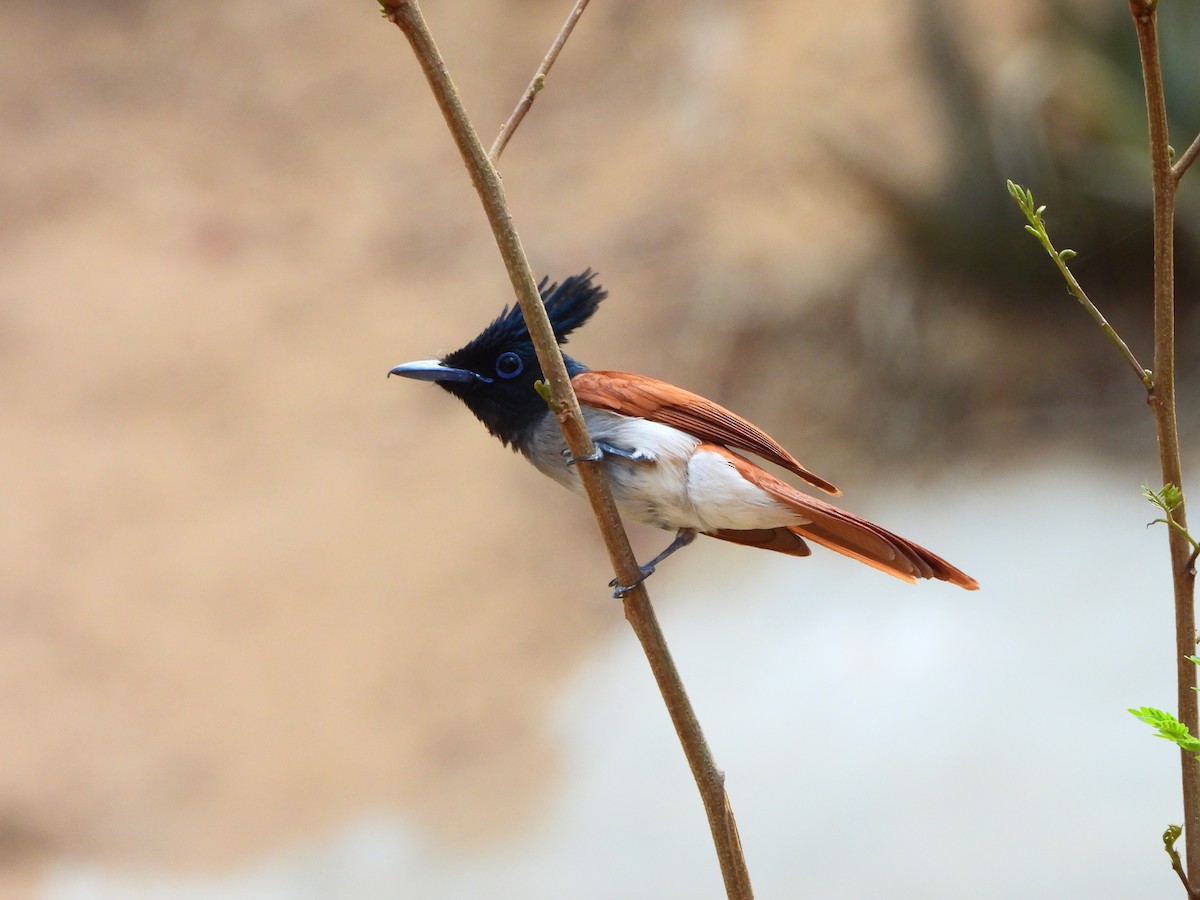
(509, 364)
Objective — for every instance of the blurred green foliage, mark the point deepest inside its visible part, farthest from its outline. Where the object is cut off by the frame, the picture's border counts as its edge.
(1064, 114)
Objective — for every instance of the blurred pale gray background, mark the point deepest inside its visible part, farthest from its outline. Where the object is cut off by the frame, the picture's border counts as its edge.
(272, 626)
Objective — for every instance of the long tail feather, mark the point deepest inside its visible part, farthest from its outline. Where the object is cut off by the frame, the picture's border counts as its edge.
(842, 532)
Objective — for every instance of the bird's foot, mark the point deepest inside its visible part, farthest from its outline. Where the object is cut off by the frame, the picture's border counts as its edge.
(595, 456)
(620, 590)
(604, 449)
(682, 538)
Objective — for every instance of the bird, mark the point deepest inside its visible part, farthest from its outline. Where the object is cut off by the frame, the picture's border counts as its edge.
(673, 459)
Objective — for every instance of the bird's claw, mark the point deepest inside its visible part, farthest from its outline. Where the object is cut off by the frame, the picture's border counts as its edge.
(603, 449)
(620, 590)
(595, 456)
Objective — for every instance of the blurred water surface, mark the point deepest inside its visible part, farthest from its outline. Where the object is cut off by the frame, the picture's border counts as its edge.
(879, 739)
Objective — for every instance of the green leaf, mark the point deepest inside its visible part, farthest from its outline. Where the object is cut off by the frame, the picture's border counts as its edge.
(1167, 499)
(1169, 728)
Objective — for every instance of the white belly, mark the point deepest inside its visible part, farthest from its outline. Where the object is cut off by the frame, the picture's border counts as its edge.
(673, 487)
(722, 498)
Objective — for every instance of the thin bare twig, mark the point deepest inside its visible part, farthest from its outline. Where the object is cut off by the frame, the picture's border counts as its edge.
(1037, 227)
(1184, 162)
(538, 82)
(1162, 401)
(709, 779)
(1178, 867)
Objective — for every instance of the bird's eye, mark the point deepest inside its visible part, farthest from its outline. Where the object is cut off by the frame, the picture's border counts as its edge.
(509, 365)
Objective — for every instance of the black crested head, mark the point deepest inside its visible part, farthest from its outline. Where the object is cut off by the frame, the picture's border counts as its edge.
(494, 374)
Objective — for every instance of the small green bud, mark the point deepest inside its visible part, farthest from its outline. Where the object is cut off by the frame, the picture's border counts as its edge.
(1172, 496)
(1066, 255)
(1171, 835)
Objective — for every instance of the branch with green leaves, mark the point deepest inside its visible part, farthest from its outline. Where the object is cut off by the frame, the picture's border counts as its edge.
(1171, 729)
(1037, 227)
(1160, 394)
(1164, 182)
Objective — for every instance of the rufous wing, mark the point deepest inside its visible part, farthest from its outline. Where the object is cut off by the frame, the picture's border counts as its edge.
(657, 401)
(844, 532)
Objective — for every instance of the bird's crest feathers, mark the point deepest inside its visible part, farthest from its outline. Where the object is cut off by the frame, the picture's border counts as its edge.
(569, 305)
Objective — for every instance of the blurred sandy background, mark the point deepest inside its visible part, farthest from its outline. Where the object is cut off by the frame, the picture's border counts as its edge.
(250, 590)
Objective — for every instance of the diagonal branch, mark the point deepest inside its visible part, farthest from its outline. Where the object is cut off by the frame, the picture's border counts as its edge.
(1184, 162)
(1037, 227)
(709, 779)
(538, 82)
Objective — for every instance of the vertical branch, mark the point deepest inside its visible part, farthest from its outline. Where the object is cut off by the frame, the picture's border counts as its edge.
(1162, 402)
(710, 781)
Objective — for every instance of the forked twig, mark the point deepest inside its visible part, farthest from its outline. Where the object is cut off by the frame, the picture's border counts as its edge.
(1184, 162)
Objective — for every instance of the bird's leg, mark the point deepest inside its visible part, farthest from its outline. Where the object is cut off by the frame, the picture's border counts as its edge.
(682, 538)
(604, 449)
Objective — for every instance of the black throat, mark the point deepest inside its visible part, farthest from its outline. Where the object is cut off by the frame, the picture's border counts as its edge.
(503, 366)
(511, 411)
